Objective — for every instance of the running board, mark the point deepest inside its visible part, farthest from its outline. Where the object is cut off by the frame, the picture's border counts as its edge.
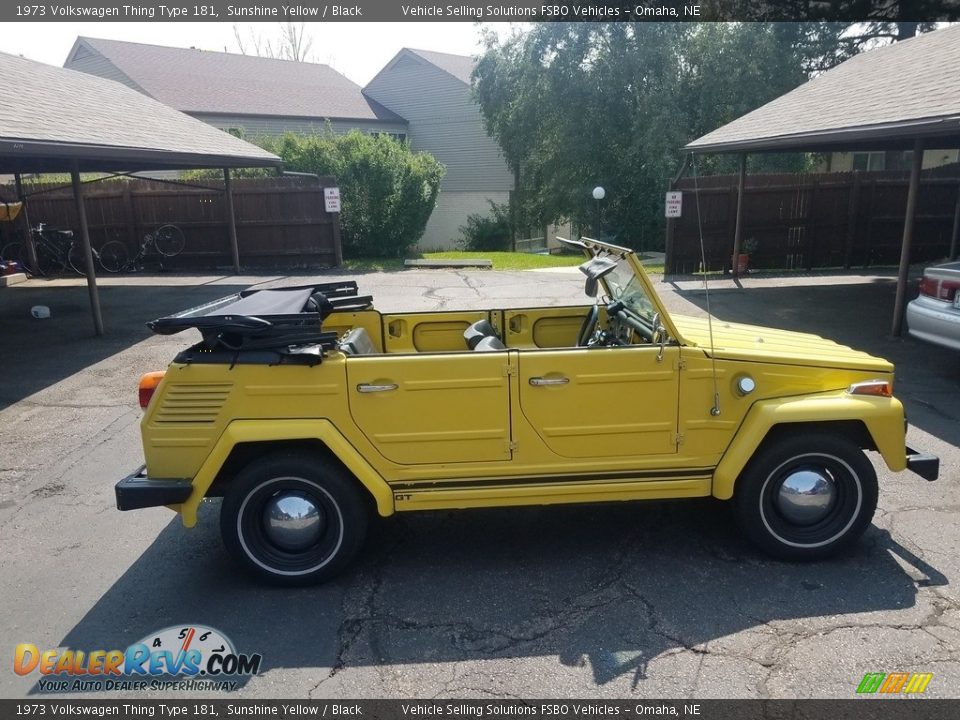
(515, 493)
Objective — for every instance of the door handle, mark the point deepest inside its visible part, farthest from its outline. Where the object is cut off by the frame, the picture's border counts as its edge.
(367, 388)
(541, 381)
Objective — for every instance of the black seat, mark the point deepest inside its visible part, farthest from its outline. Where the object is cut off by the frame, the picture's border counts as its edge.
(477, 332)
(357, 342)
(490, 343)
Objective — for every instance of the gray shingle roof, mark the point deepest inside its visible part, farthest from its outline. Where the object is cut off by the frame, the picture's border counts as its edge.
(49, 115)
(460, 66)
(201, 81)
(895, 92)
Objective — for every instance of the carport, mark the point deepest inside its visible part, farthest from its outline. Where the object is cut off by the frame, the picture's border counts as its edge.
(54, 120)
(900, 97)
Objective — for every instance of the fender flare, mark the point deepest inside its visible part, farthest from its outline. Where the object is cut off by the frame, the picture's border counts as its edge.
(244, 431)
(882, 416)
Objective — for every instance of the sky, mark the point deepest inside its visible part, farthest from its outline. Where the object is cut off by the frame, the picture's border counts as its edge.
(357, 50)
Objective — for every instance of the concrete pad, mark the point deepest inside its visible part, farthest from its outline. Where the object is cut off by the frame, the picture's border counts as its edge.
(12, 279)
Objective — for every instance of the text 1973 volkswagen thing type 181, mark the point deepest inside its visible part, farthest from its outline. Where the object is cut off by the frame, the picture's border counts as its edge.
(307, 411)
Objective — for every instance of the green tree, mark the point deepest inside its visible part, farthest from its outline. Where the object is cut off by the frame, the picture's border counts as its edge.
(574, 105)
(387, 191)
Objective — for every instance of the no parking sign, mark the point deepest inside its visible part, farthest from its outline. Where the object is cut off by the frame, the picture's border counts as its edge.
(331, 199)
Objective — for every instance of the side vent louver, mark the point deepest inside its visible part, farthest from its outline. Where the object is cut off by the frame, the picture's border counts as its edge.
(192, 403)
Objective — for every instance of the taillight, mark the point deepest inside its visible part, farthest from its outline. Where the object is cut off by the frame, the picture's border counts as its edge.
(881, 388)
(948, 289)
(148, 385)
(939, 289)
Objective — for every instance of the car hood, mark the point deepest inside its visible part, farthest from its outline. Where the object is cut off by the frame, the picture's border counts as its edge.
(754, 342)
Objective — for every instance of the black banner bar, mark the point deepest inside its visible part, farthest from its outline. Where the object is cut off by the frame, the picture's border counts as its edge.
(480, 10)
(873, 708)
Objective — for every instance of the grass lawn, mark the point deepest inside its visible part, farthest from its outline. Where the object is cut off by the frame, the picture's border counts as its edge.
(501, 261)
(509, 260)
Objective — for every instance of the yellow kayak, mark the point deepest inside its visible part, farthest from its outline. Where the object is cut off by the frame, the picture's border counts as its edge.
(9, 211)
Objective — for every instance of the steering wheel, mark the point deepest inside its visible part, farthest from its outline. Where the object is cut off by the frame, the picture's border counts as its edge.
(588, 327)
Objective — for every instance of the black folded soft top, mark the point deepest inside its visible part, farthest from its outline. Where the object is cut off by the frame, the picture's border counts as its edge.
(267, 318)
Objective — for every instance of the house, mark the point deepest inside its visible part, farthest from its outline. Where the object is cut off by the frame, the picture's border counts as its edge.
(420, 96)
(242, 94)
(431, 91)
(885, 160)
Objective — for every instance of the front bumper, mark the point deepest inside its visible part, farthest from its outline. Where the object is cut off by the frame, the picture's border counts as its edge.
(137, 491)
(923, 464)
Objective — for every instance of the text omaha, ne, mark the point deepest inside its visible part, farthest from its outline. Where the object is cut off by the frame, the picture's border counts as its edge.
(581, 12)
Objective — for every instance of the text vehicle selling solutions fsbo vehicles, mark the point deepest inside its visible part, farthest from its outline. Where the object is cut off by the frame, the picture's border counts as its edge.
(308, 411)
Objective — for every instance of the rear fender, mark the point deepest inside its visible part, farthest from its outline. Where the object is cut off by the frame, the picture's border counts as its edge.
(882, 416)
(255, 431)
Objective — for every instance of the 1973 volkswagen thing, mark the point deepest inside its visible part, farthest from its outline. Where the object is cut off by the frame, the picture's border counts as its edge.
(308, 410)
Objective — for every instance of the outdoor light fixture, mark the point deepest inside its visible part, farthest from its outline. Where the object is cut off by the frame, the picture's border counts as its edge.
(598, 194)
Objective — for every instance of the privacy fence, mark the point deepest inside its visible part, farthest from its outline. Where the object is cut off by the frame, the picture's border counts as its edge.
(280, 221)
(808, 221)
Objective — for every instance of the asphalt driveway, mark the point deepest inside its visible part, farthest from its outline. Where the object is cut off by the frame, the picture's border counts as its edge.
(638, 600)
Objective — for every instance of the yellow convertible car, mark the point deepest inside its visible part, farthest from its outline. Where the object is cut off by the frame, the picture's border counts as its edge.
(308, 411)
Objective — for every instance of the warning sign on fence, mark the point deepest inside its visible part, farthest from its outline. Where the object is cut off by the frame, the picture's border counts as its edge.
(674, 203)
(331, 199)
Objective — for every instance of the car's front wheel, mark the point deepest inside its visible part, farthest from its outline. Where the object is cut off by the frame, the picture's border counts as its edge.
(807, 496)
(293, 519)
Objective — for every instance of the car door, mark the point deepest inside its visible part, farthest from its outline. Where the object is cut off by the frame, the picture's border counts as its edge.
(434, 407)
(603, 402)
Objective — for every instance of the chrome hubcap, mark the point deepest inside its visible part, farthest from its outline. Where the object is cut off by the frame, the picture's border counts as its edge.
(806, 496)
(292, 521)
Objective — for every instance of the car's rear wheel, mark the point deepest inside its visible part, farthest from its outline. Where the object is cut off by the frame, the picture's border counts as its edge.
(293, 519)
(806, 497)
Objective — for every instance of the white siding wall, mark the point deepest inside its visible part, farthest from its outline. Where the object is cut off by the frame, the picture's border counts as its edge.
(445, 121)
(443, 228)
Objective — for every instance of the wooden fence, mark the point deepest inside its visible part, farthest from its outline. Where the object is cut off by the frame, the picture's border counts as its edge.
(280, 221)
(807, 221)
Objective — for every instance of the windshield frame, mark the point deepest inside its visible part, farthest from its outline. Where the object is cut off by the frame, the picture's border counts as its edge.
(627, 260)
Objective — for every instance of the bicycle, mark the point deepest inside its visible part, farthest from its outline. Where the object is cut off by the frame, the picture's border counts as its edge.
(55, 249)
(167, 242)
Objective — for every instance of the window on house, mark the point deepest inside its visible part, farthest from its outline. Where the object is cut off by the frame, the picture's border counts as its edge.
(897, 160)
(889, 160)
(869, 161)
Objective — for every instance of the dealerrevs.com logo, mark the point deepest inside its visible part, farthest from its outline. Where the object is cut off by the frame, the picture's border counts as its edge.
(180, 657)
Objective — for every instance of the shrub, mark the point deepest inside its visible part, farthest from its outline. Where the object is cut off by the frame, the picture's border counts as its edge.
(487, 233)
(387, 191)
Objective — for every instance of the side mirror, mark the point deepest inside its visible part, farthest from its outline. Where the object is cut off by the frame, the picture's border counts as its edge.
(595, 268)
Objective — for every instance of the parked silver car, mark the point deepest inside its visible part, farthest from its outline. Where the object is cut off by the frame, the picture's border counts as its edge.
(935, 315)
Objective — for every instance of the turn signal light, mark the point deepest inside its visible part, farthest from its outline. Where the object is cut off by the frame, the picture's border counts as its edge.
(929, 287)
(148, 385)
(881, 388)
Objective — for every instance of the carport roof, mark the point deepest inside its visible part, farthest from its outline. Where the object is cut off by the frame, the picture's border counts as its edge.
(881, 99)
(51, 117)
